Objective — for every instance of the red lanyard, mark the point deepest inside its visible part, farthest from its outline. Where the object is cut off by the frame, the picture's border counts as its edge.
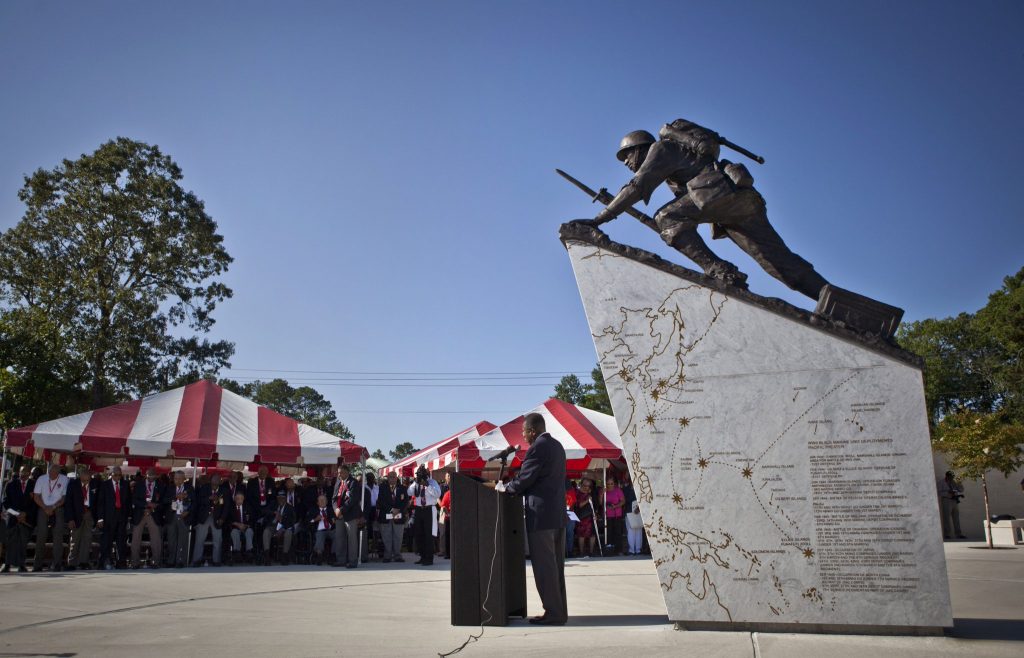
(53, 485)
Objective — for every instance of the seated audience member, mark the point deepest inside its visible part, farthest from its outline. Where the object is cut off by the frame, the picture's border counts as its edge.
(241, 522)
(235, 484)
(82, 511)
(585, 528)
(294, 498)
(49, 495)
(114, 513)
(321, 524)
(392, 503)
(179, 519)
(280, 524)
(17, 498)
(148, 500)
(570, 523)
(259, 494)
(210, 515)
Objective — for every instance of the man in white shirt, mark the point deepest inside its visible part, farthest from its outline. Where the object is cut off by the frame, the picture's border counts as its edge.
(49, 496)
(424, 494)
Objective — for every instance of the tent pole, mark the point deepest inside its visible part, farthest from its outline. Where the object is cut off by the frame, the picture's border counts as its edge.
(604, 488)
(362, 508)
(3, 465)
(188, 553)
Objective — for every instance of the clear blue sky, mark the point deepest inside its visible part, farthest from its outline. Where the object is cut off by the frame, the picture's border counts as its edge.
(383, 172)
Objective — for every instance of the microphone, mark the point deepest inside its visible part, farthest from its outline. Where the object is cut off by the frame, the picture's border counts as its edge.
(503, 455)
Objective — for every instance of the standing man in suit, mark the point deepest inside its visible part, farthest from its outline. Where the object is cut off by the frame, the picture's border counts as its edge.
(82, 508)
(391, 505)
(179, 519)
(18, 497)
(49, 494)
(541, 480)
(114, 512)
(347, 498)
(425, 493)
(148, 501)
(210, 509)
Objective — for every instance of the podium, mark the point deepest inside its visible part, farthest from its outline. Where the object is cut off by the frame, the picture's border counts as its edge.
(479, 516)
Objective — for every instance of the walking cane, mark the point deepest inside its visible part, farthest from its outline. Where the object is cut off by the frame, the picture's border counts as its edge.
(593, 515)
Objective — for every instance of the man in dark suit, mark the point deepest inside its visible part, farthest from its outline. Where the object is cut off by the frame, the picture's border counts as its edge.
(281, 524)
(392, 503)
(541, 480)
(347, 498)
(211, 506)
(148, 502)
(18, 497)
(321, 524)
(179, 519)
(259, 493)
(240, 520)
(114, 512)
(81, 509)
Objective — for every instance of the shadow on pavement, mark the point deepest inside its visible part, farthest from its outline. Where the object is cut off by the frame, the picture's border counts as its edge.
(618, 620)
(989, 629)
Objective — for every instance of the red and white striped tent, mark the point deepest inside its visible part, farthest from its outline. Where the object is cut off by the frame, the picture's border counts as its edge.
(431, 455)
(201, 423)
(590, 438)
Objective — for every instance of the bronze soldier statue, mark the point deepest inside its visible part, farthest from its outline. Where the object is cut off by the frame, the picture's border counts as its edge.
(708, 191)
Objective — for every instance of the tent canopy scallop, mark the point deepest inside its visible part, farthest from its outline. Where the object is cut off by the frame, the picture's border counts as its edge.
(201, 421)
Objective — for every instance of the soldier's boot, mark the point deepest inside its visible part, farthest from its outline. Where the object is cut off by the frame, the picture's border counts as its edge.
(685, 239)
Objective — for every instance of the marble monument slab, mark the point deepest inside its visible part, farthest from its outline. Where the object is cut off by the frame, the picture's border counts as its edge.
(784, 471)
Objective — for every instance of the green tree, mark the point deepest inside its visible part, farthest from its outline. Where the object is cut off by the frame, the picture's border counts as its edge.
(379, 454)
(305, 404)
(592, 396)
(402, 450)
(117, 259)
(976, 443)
(570, 389)
(1002, 319)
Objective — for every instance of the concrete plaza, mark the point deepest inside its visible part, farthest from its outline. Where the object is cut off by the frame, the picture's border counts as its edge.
(615, 608)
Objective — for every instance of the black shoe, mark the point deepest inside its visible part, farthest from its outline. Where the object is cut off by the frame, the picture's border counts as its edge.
(6, 569)
(386, 560)
(22, 569)
(399, 558)
(351, 566)
(57, 567)
(547, 621)
(426, 564)
(72, 567)
(961, 536)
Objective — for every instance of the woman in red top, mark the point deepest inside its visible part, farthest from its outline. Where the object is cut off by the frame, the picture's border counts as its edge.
(445, 529)
(570, 525)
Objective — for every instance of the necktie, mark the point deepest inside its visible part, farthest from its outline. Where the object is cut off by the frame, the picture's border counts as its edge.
(117, 495)
(239, 513)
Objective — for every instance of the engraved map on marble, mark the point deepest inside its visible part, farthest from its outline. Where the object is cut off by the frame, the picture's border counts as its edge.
(773, 488)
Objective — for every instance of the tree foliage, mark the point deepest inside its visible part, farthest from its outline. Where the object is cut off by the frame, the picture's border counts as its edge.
(110, 278)
(379, 454)
(975, 443)
(305, 404)
(592, 396)
(402, 450)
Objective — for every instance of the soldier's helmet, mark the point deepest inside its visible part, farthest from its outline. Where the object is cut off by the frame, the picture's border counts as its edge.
(635, 138)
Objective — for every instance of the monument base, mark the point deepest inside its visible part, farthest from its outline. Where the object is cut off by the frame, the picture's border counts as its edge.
(828, 629)
(781, 459)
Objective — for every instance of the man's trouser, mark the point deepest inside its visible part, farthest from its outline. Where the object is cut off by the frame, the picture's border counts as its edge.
(547, 556)
(156, 543)
(319, 540)
(207, 526)
(236, 539)
(346, 541)
(42, 521)
(749, 229)
(114, 535)
(391, 535)
(423, 527)
(17, 540)
(81, 541)
(268, 534)
(177, 540)
(950, 511)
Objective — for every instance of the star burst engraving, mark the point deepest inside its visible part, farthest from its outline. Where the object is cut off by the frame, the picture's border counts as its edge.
(748, 472)
(703, 463)
(808, 553)
(649, 419)
(684, 422)
(677, 499)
